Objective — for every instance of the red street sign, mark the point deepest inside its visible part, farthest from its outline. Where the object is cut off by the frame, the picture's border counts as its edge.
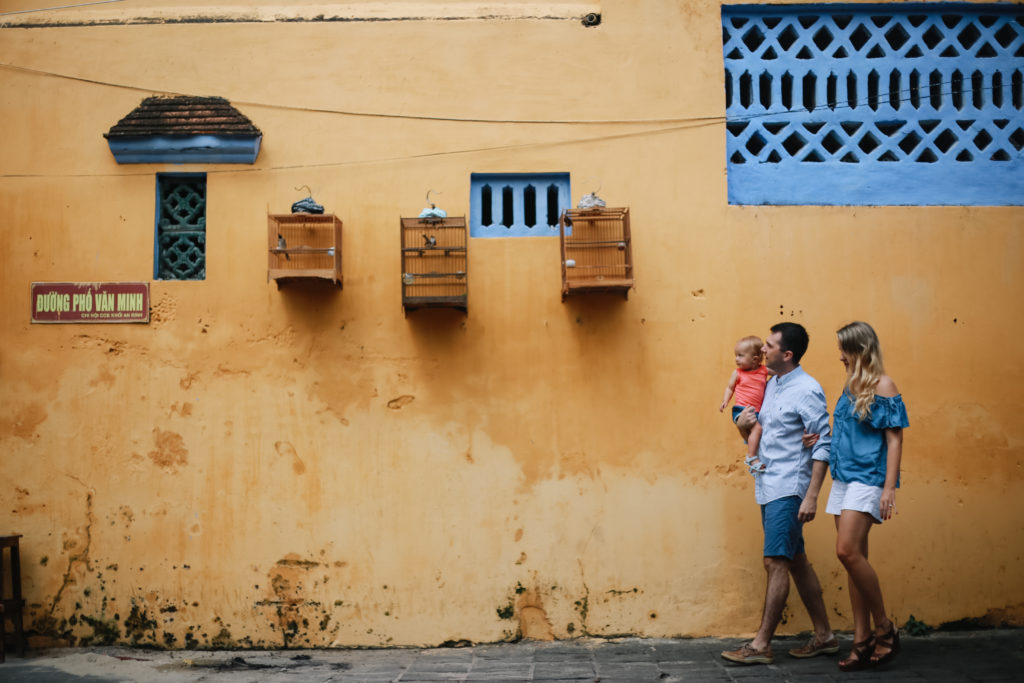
(90, 302)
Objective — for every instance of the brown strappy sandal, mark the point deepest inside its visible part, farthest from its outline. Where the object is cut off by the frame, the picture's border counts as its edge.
(890, 641)
(860, 656)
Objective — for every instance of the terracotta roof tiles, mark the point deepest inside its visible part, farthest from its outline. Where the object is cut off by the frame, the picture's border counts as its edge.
(183, 116)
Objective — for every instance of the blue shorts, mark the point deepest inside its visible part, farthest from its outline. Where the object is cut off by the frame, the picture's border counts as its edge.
(783, 532)
(736, 410)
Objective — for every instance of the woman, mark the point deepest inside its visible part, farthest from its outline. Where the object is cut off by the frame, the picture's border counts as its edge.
(867, 443)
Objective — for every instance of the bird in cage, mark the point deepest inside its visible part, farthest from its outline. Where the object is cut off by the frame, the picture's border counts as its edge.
(429, 240)
(282, 245)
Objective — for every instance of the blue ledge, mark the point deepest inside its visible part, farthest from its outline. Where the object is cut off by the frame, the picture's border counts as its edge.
(181, 149)
(991, 183)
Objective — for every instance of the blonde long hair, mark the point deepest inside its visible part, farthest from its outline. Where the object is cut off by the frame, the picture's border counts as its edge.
(864, 353)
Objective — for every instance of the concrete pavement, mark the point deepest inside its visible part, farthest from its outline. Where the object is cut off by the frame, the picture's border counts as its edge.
(988, 655)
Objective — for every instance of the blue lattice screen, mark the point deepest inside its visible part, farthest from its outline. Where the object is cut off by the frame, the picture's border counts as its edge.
(181, 227)
(910, 103)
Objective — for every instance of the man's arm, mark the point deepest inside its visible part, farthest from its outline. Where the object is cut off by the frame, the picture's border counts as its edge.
(809, 505)
(815, 418)
(814, 413)
(746, 421)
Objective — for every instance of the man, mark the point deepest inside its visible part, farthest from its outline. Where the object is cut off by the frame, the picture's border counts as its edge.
(787, 491)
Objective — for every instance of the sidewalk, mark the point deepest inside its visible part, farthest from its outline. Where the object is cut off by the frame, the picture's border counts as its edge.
(991, 655)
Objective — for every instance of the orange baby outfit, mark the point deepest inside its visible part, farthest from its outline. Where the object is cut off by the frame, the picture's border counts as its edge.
(750, 386)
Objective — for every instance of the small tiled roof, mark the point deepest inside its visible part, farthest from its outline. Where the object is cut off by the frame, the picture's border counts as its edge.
(183, 116)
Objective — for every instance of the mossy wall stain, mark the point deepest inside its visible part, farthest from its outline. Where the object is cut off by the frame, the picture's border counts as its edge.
(299, 604)
(139, 627)
(104, 631)
(223, 640)
(507, 611)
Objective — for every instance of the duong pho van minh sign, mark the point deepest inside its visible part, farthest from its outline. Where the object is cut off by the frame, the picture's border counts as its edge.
(90, 302)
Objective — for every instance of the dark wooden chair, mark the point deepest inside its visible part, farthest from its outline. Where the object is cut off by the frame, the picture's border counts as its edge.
(11, 606)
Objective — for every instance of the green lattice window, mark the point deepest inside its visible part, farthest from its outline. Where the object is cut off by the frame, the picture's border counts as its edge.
(181, 227)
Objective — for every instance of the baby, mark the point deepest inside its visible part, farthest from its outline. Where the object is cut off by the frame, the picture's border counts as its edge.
(747, 383)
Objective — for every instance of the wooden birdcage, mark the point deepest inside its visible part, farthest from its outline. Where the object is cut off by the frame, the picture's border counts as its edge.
(597, 252)
(434, 263)
(304, 245)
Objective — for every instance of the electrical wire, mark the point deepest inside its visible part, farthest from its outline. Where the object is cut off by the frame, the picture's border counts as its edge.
(368, 114)
(678, 124)
(48, 9)
(799, 111)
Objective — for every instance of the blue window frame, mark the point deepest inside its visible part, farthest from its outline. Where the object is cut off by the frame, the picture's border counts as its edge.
(517, 204)
(901, 104)
(180, 245)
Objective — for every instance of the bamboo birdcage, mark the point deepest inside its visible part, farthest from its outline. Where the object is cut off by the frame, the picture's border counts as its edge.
(303, 245)
(434, 263)
(597, 251)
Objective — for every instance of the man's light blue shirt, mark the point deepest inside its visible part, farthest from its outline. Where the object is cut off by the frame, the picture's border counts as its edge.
(793, 403)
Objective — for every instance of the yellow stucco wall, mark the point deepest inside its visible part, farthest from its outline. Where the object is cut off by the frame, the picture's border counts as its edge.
(309, 467)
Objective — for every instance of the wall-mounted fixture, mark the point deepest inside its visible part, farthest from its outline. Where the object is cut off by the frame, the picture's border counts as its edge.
(597, 251)
(303, 246)
(184, 130)
(434, 262)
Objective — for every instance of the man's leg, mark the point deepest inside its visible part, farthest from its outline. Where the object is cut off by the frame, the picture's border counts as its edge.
(775, 594)
(806, 580)
(782, 541)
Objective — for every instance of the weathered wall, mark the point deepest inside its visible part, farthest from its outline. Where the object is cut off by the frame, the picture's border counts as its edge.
(308, 467)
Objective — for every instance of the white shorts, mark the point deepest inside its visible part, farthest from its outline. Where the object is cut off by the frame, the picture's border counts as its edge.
(854, 496)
